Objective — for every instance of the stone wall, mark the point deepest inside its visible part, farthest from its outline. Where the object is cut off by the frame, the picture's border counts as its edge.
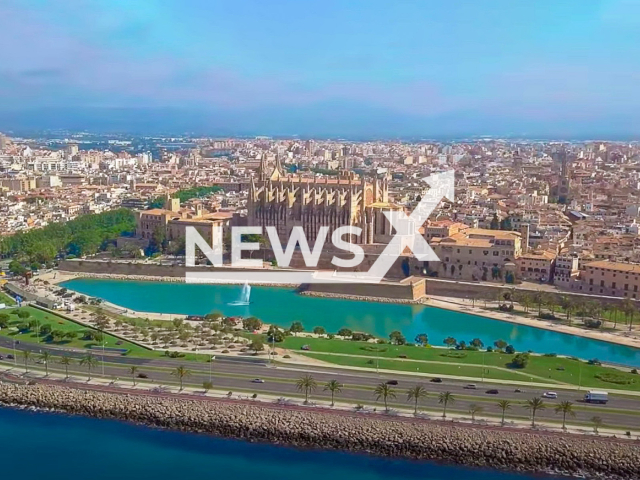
(503, 449)
(412, 288)
(444, 288)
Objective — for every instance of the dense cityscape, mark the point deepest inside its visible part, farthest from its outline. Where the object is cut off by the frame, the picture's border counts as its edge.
(573, 207)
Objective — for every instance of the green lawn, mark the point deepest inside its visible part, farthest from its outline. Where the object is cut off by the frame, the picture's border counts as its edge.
(6, 299)
(540, 368)
(59, 323)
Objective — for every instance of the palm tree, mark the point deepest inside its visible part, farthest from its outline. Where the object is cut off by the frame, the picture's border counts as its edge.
(444, 399)
(567, 304)
(534, 405)
(66, 361)
(416, 394)
(45, 357)
(566, 408)
(474, 410)
(504, 405)
(306, 384)
(181, 372)
(385, 392)
(133, 370)
(525, 301)
(334, 387)
(597, 423)
(26, 355)
(90, 361)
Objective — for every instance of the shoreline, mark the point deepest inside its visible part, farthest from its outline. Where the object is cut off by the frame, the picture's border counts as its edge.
(305, 427)
(445, 303)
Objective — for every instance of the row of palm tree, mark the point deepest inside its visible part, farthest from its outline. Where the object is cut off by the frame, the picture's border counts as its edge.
(571, 305)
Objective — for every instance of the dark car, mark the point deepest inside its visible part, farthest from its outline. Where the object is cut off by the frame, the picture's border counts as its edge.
(10, 357)
(392, 382)
(143, 375)
(1, 357)
(436, 380)
(493, 391)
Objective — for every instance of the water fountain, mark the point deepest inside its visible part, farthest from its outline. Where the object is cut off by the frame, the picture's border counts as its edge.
(245, 295)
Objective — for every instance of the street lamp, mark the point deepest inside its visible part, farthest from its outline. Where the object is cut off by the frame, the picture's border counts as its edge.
(103, 343)
(213, 357)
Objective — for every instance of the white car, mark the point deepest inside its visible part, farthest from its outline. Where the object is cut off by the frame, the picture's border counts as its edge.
(257, 380)
(550, 395)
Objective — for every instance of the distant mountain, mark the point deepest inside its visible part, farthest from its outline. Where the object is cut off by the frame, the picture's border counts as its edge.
(329, 119)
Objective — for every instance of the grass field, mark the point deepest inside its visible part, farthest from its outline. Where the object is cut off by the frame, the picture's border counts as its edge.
(464, 363)
(6, 299)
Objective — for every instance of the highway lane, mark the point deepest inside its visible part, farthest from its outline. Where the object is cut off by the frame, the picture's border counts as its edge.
(248, 368)
(358, 388)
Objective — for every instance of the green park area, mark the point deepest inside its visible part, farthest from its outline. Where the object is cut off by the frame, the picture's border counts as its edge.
(30, 324)
(6, 299)
(468, 363)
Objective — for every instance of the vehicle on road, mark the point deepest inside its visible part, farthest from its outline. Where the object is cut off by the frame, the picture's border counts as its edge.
(493, 391)
(257, 380)
(596, 396)
(470, 386)
(436, 380)
(550, 395)
(10, 357)
(518, 390)
(392, 382)
(143, 375)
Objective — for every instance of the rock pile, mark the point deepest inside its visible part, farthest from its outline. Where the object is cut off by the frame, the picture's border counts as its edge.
(591, 457)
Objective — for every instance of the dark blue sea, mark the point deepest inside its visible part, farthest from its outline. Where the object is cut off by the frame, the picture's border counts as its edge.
(39, 445)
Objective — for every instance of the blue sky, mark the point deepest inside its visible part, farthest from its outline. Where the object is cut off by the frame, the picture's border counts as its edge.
(352, 66)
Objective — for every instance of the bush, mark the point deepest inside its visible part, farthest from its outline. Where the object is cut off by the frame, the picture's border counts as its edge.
(510, 350)
(617, 378)
(634, 371)
(225, 351)
(373, 348)
(489, 349)
(547, 316)
(591, 323)
(520, 360)
(550, 355)
(454, 354)
(286, 356)
(594, 361)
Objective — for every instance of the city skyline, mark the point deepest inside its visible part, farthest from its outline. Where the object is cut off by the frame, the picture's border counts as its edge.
(332, 69)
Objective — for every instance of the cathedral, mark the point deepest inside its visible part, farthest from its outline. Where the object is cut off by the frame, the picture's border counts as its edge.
(286, 201)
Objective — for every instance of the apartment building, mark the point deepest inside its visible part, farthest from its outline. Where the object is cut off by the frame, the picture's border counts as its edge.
(536, 266)
(477, 254)
(615, 279)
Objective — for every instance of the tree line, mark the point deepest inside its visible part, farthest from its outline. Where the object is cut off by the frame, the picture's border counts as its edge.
(84, 235)
(186, 194)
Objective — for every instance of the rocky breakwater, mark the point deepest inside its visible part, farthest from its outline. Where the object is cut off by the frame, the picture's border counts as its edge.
(510, 450)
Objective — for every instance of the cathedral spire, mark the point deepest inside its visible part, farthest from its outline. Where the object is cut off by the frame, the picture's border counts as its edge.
(262, 170)
(277, 170)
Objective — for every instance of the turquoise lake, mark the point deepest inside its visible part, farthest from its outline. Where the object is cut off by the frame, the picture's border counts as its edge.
(282, 306)
(60, 447)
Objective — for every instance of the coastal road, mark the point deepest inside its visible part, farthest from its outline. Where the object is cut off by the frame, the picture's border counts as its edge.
(237, 375)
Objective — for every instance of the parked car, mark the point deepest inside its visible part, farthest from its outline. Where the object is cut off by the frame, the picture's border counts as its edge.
(257, 380)
(493, 391)
(470, 386)
(305, 347)
(1, 357)
(550, 395)
(392, 382)
(436, 380)
(10, 357)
